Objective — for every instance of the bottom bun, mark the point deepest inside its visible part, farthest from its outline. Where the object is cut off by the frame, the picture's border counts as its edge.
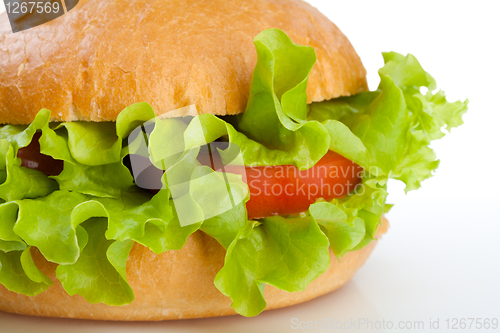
(175, 285)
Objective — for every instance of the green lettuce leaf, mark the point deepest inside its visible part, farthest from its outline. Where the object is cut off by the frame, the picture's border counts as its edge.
(285, 253)
(47, 224)
(151, 222)
(9, 246)
(99, 273)
(396, 123)
(343, 235)
(277, 106)
(32, 271)
(9, 240)
(93, 152)
(18, 182)
(19, 274)
(225, 227)
(350, 223)
(103, 173)
(21, 136)
(345, 143)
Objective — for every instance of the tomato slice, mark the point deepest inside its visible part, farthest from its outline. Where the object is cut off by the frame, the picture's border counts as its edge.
(284, 190)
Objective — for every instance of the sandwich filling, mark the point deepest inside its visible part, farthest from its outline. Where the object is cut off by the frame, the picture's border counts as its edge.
(307, 178)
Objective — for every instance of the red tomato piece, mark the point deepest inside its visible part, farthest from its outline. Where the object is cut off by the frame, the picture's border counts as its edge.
(284, 190)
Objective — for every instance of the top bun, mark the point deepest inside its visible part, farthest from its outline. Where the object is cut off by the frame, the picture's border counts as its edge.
(105, 55)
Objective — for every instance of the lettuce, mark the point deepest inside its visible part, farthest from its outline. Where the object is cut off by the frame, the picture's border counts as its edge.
(18, 273)
(87, 218)
(285, 253)
(100, 267)
(351, 223)
(277, 106)
(19, 182)
(47, 224)
(396, 123)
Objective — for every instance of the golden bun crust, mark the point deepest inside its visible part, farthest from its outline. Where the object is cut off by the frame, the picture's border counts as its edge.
(175, 285)
(103, 56)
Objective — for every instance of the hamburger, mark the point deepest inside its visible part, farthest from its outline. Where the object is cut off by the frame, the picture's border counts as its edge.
(185, 159)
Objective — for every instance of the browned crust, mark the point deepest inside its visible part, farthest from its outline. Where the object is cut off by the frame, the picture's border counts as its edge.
(105, 55)
(175, 285)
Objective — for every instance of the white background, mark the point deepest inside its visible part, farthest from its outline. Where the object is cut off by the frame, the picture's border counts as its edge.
(441, 256)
